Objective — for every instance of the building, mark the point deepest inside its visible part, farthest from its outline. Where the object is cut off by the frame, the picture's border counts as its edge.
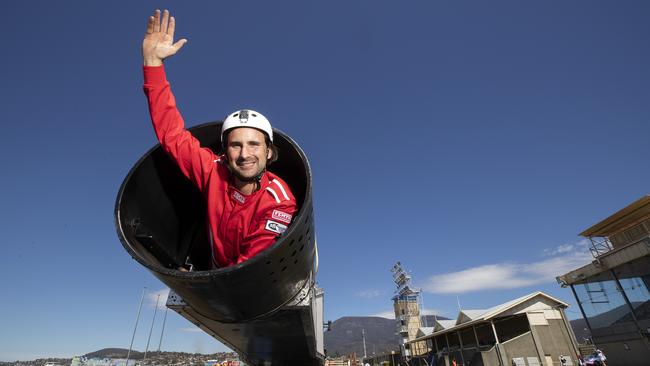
(612, 291)
(528, 331)
(406, 304)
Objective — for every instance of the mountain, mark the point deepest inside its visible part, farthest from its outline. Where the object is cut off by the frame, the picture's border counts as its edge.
(580, 329)
(346, 337)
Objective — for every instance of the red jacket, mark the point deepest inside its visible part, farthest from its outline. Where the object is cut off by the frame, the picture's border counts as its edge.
(241, 226)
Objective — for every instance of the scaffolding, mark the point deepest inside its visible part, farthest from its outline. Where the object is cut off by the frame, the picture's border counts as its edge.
(406, 302)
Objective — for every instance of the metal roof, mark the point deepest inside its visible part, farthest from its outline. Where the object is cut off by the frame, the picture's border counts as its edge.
(627, 216)
(469, 315)
(444, 326)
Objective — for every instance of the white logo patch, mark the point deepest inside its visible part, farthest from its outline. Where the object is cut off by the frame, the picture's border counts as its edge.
(281, 216)
(239, 197)
(276, 227)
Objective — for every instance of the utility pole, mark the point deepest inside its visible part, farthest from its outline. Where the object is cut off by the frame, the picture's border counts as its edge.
(136, 326)
(363, 332)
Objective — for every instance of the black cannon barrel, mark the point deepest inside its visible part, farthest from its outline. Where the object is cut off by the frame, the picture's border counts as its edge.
(160, 220)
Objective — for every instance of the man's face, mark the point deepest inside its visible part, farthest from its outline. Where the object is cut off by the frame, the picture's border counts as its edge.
(247, 152)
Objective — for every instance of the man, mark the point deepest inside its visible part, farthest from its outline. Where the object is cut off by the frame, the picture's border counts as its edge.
(601, 356)
(248, 207)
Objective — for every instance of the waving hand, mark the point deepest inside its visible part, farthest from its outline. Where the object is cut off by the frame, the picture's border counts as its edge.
(158, 43)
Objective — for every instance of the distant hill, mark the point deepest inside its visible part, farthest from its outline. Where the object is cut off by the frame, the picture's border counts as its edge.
(115, 353)
(345, 336)
(580, 329)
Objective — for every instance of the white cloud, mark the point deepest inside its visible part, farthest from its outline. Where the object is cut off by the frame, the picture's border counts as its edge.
(580, 246)
(369, 294)
(388, 314)
(191, 330)
(153, 296)
(511, 275)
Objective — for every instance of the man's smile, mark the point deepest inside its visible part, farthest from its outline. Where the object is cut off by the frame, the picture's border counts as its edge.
(246, 164)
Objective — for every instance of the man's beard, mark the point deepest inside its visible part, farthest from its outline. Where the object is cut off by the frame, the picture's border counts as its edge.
(250, 179)
(254, 178)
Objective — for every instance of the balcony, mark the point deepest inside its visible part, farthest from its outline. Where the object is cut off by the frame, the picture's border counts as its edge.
(600, 246)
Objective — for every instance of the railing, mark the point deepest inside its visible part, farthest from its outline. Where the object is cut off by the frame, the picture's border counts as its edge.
(600, 246)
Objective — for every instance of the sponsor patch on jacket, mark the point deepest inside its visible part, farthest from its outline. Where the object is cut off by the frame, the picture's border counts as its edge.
(281, 216)
(238, 197)
(276, 227)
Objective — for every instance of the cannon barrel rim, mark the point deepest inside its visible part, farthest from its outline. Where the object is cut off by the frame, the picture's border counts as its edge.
(219, 271)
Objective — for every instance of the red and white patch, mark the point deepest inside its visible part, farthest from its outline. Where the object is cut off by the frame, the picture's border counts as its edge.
(281, 216)
(238, 197)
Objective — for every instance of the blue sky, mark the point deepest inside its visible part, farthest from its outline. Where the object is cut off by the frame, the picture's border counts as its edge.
(471, 141)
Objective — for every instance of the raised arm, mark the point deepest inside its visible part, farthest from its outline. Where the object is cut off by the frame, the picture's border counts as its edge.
(158, 43)
(193, 160)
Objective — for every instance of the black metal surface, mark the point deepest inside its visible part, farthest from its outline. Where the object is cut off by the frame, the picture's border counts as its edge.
(282, 339)
(160, 219)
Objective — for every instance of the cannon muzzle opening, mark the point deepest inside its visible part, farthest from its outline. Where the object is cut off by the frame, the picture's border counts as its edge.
(160, 219)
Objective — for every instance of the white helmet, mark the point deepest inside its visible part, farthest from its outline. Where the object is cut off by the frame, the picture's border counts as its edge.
(247, 118)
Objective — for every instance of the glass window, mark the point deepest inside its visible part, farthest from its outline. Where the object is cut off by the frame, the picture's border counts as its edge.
(635, 280)
(602, 302)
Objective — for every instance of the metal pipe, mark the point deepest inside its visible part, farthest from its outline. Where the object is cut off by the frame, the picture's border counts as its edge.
(163, 329)
(153, 321)
(128, 354)
(496, 338)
